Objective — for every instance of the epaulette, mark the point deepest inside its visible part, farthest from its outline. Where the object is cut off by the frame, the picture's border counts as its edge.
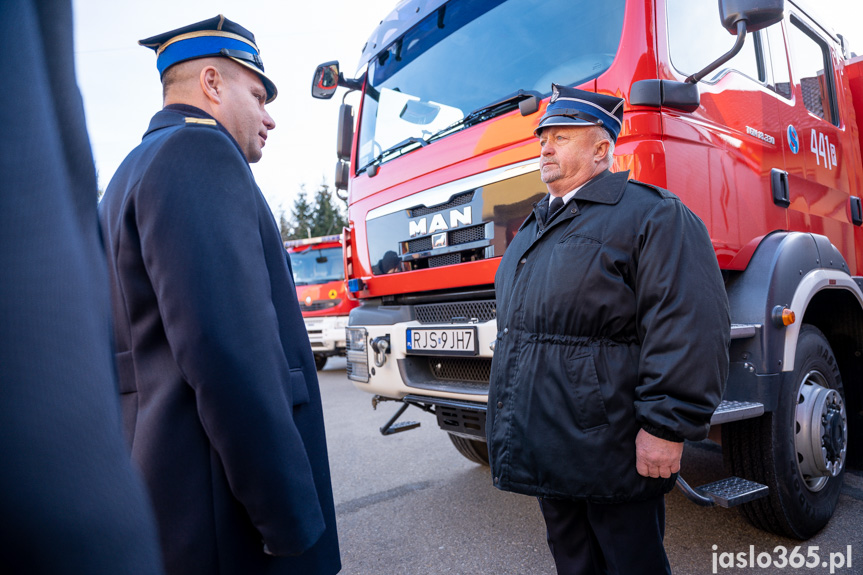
(200, 122)
(661, 191)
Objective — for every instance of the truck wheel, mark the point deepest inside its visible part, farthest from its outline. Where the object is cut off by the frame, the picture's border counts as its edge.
(799, 450)
(474, 449)
(320, 361)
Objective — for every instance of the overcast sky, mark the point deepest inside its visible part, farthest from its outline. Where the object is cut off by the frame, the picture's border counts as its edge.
(121, 90)
(120, 84)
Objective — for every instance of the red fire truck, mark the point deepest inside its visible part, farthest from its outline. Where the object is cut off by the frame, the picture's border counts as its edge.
(319, 276)
(747, 113)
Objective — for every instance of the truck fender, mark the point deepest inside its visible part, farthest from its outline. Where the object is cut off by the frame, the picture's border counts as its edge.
(787, 270)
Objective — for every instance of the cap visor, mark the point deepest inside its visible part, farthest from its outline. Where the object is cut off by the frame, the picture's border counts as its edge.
(561, 121)
(272, 92)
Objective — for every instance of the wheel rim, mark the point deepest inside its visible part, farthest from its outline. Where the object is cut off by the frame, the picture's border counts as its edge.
(821, 431)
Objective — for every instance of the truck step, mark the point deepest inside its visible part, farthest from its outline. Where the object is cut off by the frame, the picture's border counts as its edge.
(400, 426)
(391, 426)
(735, 411)
(733, 491)
(744, 330)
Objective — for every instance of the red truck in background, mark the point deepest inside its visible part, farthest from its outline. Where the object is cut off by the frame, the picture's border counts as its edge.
(319, 276)
(756, 131)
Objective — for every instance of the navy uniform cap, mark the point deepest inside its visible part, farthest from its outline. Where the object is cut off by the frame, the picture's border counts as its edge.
(217, 36)
(573, 107)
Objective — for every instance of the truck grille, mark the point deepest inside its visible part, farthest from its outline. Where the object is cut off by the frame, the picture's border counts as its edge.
(462, 311)
(461, 369)
(447, 260)
(455, 201)
(451, 224)
(320, 304)
(466, 235)
(468, 375)
(454, 238)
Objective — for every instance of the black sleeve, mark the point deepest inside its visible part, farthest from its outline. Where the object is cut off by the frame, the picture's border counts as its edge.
(683, 323)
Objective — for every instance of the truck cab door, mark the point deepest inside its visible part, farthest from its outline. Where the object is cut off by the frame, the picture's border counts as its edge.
(819, 176)
(722, 156)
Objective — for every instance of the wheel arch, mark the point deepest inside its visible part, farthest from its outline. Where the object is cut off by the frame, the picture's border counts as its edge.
(793, 270)
(805, 273)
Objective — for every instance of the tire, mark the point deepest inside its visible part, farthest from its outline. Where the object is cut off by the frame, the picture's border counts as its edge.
(320, 361)
(783, 449)
(475, 450)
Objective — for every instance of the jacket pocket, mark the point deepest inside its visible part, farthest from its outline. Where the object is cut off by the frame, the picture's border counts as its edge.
(128, 388)
(589, 406)
(299, 389)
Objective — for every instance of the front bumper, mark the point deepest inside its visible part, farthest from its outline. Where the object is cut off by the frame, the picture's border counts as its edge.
(327, 333)
(379, 362)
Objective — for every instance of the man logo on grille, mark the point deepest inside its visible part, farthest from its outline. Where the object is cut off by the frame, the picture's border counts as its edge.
(421, 227)
(439, 241)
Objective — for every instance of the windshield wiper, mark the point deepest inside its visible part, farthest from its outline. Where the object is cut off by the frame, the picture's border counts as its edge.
(392, 150)
(526, 100)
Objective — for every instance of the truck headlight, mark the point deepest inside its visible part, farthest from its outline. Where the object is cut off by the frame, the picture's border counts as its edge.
(357, 354)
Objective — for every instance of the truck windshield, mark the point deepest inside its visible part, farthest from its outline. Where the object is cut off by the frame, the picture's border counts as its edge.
(317, 266)
(472, 53)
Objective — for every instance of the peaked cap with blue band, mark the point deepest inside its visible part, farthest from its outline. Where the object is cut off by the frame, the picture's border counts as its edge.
(215, 37)
(573, 107)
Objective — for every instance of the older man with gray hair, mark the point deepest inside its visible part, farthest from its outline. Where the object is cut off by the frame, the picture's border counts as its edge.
(613, 330)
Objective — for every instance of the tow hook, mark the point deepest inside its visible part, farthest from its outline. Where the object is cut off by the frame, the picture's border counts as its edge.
(381, 347)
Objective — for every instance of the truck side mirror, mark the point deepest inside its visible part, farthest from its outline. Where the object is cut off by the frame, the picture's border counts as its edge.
(758, 14)
(341, 180)
(326, 80)
(345, 135)
(739, 17)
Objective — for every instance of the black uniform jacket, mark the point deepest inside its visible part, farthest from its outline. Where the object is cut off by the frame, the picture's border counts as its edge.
(220, 393)
(610, 319)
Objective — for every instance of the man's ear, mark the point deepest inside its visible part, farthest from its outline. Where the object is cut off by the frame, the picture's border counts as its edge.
(212, 84)
(600, 150)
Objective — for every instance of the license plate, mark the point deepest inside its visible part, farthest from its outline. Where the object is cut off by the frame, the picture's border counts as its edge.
(442, 341)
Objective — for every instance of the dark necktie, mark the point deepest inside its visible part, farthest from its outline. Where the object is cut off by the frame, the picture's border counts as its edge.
(556, 203)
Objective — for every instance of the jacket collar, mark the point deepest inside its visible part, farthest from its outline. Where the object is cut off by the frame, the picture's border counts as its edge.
(176, 114)
(605, 188)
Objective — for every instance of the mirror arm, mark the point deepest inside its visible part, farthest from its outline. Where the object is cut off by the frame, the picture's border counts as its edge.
(738, 45)
(350, 84)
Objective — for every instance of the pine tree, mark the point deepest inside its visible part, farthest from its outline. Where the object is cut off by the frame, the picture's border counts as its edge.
(329, 217)
(302, 218)
(284, 226)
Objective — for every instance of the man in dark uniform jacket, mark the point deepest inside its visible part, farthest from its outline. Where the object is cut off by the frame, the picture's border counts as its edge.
(70, 502)
(613, 330)
(219, 388)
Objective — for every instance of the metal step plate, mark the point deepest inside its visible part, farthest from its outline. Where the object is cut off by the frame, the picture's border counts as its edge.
(733, 491)
(744, 330)
(735, 411)
(401, 426)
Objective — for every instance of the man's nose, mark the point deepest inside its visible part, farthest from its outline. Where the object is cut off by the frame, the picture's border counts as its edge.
(268, 121)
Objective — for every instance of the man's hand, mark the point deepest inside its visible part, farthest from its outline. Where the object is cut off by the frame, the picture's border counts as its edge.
(655, 457)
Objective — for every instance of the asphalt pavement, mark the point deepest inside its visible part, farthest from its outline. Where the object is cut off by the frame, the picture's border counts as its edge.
(409, 504)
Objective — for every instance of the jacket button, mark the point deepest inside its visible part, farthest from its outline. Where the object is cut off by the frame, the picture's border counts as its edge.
(523, 260)
(505, 330)
(499, 404)
(496, 479)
